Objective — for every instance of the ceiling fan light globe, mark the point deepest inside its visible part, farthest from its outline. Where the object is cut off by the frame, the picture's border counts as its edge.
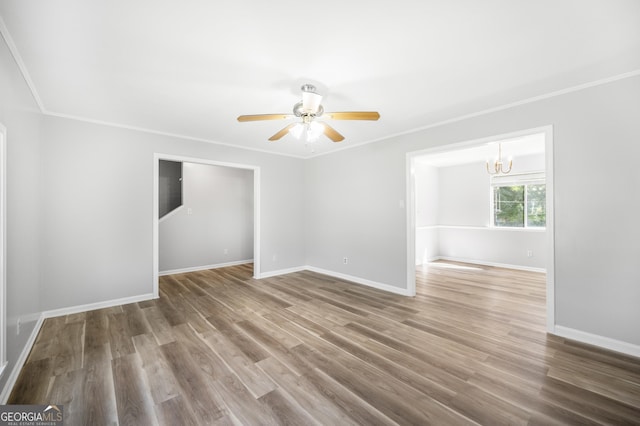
(311, 102)
(296, 131)
(314, 131)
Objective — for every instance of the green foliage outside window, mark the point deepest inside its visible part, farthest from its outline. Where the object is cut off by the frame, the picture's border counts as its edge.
(515, 205)
(508, 204)
(536, 205)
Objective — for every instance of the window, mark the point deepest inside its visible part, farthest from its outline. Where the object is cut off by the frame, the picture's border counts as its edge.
(519, 201)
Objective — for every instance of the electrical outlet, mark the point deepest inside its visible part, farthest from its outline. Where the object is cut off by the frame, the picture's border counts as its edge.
(18, 327)
(529, 253)
(226, 251)
(345, 260)
(274, 258)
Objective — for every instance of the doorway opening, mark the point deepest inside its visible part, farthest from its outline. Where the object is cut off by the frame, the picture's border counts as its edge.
(202, 178)
(460, 219)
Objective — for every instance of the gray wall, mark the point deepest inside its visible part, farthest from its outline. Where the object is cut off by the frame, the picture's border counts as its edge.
(427, 187)
(20, 115)
(353, 202)
(97, 232)
(427, 196)
(217, 216)
(355, 209)
(464, 195)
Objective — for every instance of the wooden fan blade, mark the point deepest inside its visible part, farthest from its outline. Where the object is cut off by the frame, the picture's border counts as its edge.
(352, 115)
(282, 132)
(260, 117)
(332, 133)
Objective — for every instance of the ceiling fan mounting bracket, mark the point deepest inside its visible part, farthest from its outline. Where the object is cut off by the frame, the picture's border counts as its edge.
(310, 88)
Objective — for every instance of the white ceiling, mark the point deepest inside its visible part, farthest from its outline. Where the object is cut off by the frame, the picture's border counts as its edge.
(191, 67)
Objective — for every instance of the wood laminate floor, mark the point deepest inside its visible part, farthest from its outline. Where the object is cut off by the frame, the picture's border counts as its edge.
(221, 348)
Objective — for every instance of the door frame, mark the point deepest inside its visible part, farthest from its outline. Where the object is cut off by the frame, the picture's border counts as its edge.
(256, 209)
(3, 248)
(550, 233)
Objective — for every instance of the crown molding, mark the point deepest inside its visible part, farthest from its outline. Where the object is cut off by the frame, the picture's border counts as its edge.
(4, 31)
(167, 134)
(553, 94)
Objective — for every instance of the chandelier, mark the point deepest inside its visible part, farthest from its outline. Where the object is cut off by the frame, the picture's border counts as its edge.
(498, 166)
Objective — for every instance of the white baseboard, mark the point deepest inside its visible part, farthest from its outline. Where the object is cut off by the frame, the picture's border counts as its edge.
(596, 340)
(15, 372)
(205, 267)
(431, 259)
(358, 280)
(495, 264)
(17, 367)
(278, 272)
(98, 305)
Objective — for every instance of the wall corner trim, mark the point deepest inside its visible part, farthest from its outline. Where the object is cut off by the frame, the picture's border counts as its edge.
(4, 33)
(597, 340)
(22, 359)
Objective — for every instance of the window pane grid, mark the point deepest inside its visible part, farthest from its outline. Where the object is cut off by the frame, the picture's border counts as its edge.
(519, 205)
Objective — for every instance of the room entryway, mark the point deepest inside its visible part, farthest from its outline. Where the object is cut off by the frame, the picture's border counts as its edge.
(212, 221)
(485, 202)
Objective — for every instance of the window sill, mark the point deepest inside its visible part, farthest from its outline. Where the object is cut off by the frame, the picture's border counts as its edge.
(518, 229)
(484, 228)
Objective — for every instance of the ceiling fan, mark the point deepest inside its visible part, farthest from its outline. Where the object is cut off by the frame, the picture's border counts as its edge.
(310, 109)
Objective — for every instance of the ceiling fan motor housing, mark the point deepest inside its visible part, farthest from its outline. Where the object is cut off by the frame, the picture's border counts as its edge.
(310, 104)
